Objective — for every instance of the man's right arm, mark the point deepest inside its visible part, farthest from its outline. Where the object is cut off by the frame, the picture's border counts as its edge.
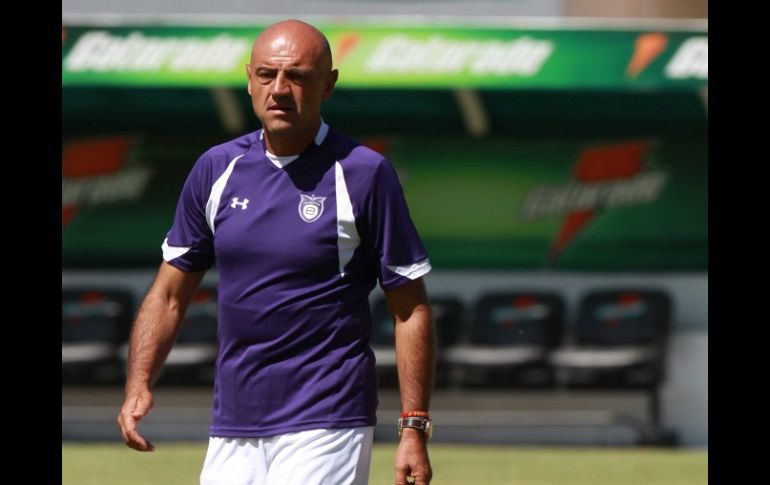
(152, 337)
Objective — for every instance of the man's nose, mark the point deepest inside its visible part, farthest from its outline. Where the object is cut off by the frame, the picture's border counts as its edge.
(280, 86)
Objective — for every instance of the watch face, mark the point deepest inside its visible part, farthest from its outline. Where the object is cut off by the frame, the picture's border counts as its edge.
(423, 424)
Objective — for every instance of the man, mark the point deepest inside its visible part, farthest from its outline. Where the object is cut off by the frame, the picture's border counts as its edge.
(302, 222)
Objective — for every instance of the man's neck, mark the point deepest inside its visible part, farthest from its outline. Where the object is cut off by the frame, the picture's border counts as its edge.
(290, 142)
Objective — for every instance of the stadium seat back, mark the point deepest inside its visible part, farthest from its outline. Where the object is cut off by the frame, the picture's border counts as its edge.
(623, 317)
(527, 318)
(90, 315)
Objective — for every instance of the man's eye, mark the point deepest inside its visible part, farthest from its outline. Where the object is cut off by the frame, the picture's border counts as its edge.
(265, 75)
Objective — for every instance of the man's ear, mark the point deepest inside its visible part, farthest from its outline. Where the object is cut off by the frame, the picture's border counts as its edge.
(248, 78)
(330, 82)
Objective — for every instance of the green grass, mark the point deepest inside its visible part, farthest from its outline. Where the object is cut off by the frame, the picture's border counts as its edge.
(180, 463)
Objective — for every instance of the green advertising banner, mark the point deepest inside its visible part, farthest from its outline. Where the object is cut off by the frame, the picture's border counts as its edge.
(631, 204)
(397, 57)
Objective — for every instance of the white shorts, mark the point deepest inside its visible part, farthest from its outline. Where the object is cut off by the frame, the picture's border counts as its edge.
(314, 457)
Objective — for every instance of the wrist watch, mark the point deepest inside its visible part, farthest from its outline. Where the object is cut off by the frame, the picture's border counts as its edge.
(424, 424)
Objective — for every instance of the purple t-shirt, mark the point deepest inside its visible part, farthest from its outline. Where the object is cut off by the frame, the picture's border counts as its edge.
(298, 248)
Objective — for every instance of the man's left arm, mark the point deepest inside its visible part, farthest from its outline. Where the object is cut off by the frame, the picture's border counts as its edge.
(416, 362)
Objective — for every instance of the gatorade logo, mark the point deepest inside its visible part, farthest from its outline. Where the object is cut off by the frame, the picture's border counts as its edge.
(94, 173)
(523, 308)
(439, 55)
(604, 177)
(103, 51)
(627, 306)
(690, 61)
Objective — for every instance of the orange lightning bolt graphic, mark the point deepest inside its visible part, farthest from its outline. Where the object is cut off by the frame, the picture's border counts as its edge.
(647, 48)
(345, 45)
(594, 165)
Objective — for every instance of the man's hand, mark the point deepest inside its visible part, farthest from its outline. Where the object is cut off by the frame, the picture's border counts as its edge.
(135, 407)
(412, 458)
(152, 337)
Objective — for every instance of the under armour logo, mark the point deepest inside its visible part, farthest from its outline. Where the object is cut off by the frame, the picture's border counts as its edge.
(237, 203)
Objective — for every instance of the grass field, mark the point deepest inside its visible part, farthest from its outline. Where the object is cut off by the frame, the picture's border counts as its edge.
(179, 463)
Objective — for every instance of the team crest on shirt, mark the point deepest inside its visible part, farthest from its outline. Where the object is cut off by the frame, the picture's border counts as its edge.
(310, 207)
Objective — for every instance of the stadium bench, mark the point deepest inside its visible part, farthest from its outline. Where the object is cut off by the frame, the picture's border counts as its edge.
(507, 341)
(94, 323)
(619, 342)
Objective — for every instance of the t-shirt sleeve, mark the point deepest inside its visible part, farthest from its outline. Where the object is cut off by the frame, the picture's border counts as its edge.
(189, 243)
(401, 254)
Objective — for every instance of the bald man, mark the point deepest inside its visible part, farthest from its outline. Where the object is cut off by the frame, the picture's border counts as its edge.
(302, 222)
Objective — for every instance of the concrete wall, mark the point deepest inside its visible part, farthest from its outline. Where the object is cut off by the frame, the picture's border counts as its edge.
(305, 8)
(691, 9)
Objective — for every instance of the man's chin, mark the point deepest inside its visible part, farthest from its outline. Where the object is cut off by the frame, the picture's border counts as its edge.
(278, 126)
